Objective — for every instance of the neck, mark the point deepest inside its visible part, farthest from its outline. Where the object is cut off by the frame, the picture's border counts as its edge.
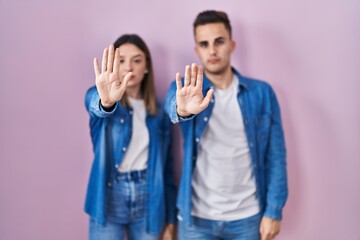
(221, 80)
(134, 92)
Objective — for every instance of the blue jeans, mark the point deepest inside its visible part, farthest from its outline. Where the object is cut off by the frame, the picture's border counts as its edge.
(125, 213)
(243, 229)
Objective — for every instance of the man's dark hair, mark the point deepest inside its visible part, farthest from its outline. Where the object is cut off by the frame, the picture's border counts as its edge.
(212, 16)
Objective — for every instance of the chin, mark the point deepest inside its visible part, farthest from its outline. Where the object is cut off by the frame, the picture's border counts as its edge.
(215, 69)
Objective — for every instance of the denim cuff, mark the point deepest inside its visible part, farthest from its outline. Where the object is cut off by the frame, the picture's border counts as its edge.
(273, 212)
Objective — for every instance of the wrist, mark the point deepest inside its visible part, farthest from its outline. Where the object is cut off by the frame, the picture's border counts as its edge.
(106, 104)
(182, 113)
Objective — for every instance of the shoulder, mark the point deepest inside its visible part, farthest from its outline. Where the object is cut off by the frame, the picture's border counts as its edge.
(257, 86)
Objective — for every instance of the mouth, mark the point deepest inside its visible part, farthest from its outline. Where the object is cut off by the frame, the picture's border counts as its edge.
(131, 78)
(213, 60)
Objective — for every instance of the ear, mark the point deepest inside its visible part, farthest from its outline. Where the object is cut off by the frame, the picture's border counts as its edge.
(233, 45)
(196, 49)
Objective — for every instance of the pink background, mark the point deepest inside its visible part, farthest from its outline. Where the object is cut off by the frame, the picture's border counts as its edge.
(308, 50)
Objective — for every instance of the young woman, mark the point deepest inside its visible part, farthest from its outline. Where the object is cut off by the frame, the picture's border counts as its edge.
(131, 188)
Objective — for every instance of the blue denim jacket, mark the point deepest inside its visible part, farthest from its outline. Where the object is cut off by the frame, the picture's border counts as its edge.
(262, 121)
(111, 135)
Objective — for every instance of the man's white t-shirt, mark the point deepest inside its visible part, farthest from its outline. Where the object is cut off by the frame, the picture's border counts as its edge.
(223, 183)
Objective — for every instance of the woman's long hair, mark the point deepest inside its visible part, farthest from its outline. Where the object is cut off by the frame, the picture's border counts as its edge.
(147, 88)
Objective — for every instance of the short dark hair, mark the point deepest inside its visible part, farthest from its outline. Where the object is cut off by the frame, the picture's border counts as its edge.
(212, 16)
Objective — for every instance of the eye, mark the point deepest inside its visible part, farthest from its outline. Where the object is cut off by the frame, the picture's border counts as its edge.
(122, 61)
(138, 60)
(203, 44)
(219, 42)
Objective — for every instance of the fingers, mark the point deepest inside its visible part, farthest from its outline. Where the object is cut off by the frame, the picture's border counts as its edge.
(126, 79)
(110, 60)
(178, 81)
(267, 234)
(117, 61)
(124, 83)
(193, 74)
(96, 67)
(187, 76)
(104, 60)
(199, 78)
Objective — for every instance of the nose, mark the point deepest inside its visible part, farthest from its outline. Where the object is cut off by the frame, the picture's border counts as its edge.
(128, 66)
(212, 50)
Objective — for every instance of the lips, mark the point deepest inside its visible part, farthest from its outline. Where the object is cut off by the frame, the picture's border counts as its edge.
(132, 77)
(213, 60)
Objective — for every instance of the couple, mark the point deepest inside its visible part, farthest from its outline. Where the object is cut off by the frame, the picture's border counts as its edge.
(234, 181)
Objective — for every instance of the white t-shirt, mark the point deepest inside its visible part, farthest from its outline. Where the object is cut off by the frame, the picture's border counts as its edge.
(223, 183)
(137, 154)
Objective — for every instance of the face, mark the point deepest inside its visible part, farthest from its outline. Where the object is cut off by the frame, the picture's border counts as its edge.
(214, 47)
(132, 59)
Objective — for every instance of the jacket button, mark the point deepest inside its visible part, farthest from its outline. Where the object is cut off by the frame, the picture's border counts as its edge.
(197, 139)
(109, 184)
(122, 120)
(206, 119)
(116, 166)
(124, 149)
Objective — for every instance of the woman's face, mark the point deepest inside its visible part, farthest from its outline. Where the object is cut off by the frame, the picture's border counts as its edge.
(132, 59)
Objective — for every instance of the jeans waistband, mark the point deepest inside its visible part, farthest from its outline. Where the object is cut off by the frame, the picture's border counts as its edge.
(132, 175)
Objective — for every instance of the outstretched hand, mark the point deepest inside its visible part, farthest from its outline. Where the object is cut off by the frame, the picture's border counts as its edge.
(110, 84)
(189, 98)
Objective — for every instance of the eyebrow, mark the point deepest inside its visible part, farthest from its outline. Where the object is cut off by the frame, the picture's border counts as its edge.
(219, 38)
(137, 55)
(216, 39)
(202, 42)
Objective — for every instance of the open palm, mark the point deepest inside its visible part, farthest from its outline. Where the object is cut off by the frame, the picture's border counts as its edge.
(189, 98)
(109, 83)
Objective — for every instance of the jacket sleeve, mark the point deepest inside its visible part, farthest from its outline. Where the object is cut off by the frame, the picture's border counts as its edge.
(93, 105)
(276, 175)
(170, 105)
(170, 188)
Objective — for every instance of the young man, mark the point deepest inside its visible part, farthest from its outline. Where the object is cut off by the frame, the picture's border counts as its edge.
(234, 182)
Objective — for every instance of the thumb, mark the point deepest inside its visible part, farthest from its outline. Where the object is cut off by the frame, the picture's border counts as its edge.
(127, 77)
(207, 99)
(125, 81)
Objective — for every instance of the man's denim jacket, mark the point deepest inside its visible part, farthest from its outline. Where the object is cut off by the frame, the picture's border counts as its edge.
(262, 121)
(111, 135)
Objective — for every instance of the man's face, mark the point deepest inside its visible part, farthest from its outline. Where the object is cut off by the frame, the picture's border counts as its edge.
(214, 47)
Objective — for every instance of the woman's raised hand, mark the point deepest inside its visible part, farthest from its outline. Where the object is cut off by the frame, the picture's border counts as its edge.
(110, 84)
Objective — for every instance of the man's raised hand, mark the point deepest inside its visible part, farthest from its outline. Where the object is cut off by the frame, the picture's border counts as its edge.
(189, 98)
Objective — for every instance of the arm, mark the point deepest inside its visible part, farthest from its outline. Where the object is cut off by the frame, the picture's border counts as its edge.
(93, 104)
(170, 188)
(276, 165)
(276, 175)
(187, 100)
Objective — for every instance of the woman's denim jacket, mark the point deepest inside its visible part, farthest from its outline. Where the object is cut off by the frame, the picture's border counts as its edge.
(262, 121)
(111, 135)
